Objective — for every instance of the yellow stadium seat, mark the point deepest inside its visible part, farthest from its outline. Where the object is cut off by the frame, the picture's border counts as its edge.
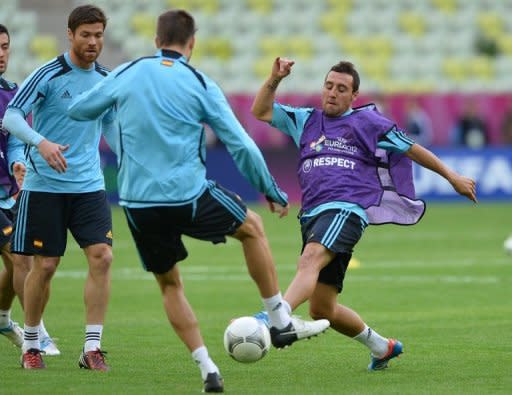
(505, 44)
(206, 6)
(261, 6)
(300, 47)
(215, 47)
(491, 24)
(272, 46)
(334, 23)
(446, 6)
(412, 23)
(482, 68)
(352, 45)
(220, 48)
(144, 24)
(44, 47)
(262, 67)
(455, 69)
(342, 6)
(375, 67)
(379, 46)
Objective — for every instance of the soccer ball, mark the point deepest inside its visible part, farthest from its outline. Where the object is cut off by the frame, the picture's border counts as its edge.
(247, 339)
(507, 245)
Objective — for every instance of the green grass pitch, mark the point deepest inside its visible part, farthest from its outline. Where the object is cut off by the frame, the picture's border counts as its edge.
(443, 287)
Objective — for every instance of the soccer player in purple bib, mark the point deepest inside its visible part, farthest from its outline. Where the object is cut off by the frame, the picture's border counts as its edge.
(355, 169)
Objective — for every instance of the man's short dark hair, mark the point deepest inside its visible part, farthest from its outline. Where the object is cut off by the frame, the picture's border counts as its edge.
(3, 29)
(348, 68)
(175, 27)
(84, 15)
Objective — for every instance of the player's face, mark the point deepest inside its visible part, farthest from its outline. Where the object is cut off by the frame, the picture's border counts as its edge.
(86, 43)
(4, 52)
(337, 94)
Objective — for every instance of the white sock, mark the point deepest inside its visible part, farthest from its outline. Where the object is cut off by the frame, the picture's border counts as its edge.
(204, 362)
(5, 318)
(30, 338)
(42, 331)
(377, 344)
(93, 337)
(278, 311)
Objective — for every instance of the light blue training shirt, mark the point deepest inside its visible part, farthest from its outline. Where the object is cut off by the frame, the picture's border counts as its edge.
(47, 93)
(162, 104)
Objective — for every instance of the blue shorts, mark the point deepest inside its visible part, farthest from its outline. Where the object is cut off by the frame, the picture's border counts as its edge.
(338, 231)
(43, 220)
(157, 230)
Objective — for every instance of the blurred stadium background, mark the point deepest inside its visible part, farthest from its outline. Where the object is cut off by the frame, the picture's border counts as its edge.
(441, 53)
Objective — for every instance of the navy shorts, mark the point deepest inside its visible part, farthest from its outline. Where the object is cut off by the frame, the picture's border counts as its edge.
(43, 220)
(157, 230)
(6, 218)
(339, 231)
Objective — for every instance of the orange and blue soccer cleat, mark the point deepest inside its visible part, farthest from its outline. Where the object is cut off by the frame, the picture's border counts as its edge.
(395, 348)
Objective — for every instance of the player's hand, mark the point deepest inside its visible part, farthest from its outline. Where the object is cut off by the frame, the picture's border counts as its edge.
(465, 186)
(19, 170)
(52, 153)
(282, 67)
(274, 207)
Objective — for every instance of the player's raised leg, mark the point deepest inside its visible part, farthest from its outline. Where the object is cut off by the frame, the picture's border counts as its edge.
(284, 329)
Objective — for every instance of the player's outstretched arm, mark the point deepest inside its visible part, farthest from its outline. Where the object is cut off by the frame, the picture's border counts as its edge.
(463, 185)
(262, 105)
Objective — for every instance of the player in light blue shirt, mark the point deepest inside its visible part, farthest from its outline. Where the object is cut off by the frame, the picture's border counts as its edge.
(12, 172)
(162, 103)
(69, 193)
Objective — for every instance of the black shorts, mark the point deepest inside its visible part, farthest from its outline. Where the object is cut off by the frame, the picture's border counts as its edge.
(6, 218)
(339, 231)
(44, 218)
(157, 230)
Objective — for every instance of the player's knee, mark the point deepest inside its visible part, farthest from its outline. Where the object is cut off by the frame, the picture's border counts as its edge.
(47, 267)
(101, 258)
(252, 226)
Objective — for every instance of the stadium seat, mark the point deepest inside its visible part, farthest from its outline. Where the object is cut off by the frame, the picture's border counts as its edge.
(143, 24)
(446, 6)
(263, 7)
(44, 47)
(491, 24)
(207, 6)
(412, 23)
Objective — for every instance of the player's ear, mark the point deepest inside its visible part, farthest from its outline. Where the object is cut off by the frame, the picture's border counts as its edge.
(70, 34)
(157, 42)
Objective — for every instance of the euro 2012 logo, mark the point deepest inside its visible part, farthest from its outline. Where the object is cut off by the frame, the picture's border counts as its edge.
(317, 145)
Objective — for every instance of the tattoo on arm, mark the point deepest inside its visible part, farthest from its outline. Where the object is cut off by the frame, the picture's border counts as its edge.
(273, 84)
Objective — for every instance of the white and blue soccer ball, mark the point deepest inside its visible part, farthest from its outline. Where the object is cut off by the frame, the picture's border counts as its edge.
(507, 245)
(247, 339)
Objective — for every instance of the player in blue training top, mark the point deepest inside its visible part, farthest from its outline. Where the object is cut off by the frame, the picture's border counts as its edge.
(162, 103)
(354, 169)
(70, 194)
(12, 172)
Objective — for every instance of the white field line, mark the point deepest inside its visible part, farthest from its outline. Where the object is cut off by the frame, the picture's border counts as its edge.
(231, 274)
